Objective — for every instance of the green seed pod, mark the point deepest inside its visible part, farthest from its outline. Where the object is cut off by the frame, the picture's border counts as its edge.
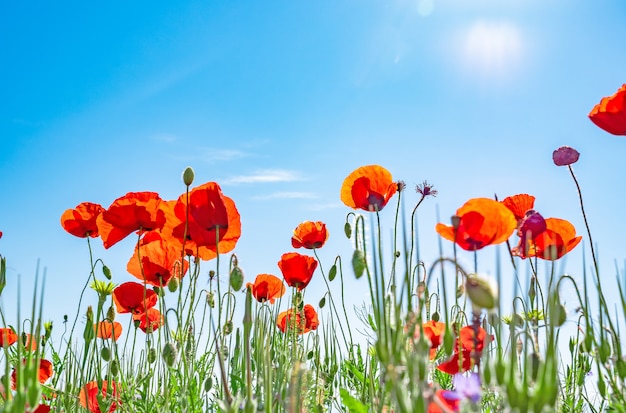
(105, 353)
(500, 370)
(486, 373)
(236, 278)
(188, 176)
(170, 354)
(347, 229)
(358, 263)
(620, 365)
(152, 355)
(332, 273)
(173, 284)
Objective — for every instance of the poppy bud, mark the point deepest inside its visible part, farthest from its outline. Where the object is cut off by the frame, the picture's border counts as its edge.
(172, 285)
(188, 176)
(114, 367)
(3, 272)
(208, 384)
(169, 354)
(152, 354)
(347, 228)
(106, 271)
(111, 313)
(105, 353)
(228, 327)
(332, 273)
(435, 316)
(210, 299)
(323, 302)
(483, 292)
(236, 278)
(358, 263)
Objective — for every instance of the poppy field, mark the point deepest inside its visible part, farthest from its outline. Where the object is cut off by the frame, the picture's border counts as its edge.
(174, 332)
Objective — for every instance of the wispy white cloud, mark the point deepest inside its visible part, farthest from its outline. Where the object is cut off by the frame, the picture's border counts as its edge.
(285, 195)
(264, 176)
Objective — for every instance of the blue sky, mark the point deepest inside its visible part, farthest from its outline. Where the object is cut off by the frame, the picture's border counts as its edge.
(279, 101)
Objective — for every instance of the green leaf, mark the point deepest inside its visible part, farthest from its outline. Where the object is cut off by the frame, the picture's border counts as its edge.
(353, 405)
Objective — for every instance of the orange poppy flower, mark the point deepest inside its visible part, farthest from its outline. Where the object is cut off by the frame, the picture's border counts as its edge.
(82, 220)
(7, 337)
(519, 204)
(212, 217)
(150, 320)
(107, 329)
(610, 113)
(44, 373)
(482, 222)
(309, 235)
(434, 331)
(132, 297)
(368, 188)
(266, 287)
(302, 325)
(297, 269)
(558, 239)
(135, 211)
(90, 393)
(160, 261)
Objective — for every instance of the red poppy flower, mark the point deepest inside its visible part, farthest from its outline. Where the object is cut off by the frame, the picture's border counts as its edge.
(82, 220)
(107, 329)
(610, 113)
(42, 408)
(467, 350)
(309, 235)
(212, 217)
(442, 398)
(132, 297)
(160, 260)
(135, 211)
(558, 239)
(368, 188)
(107, 392)
(150, 320)
(297, 269)
(44, 373)
(267, 287)
(7, 337)
(482, 222)
(434, 331)
(293, 319)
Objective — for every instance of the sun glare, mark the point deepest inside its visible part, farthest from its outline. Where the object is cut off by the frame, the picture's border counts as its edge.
(491, 50)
